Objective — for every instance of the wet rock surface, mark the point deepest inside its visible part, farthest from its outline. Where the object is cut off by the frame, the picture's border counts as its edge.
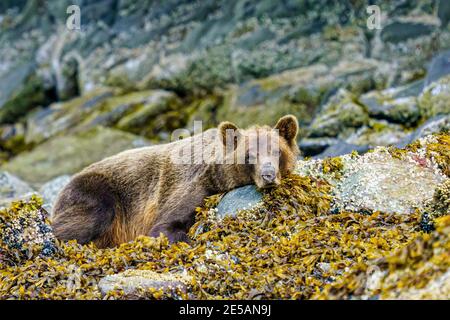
(239, 199)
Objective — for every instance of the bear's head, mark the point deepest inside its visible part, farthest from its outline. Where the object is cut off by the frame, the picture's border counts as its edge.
(265, 154)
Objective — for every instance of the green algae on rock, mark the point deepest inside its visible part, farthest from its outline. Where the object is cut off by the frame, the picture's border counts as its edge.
(69, 154)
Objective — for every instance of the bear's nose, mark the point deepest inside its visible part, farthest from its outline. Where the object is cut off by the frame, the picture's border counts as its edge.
(268, 173)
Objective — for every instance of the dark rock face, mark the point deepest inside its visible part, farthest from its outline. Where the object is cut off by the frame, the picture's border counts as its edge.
(402, 31)
(439, 67)
(342, 148)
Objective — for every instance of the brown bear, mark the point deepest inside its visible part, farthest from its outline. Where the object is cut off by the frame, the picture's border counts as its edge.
(153, 190)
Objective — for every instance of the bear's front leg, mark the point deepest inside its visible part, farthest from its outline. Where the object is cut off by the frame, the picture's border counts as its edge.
(172, 233)
(177, 215)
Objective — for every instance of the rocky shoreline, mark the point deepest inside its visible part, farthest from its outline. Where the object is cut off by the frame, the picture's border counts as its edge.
(315, 236)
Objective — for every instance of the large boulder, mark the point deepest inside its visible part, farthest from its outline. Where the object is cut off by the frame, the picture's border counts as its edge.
(12, 188)
(439, 67)
(69, 154)
(339, 115)
(380, 180)
(435, 98)
(382, 183)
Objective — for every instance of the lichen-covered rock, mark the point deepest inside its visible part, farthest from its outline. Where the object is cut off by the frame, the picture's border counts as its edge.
(135, 283)
(21, 90)
(382, 180)
(436, 207)
(62, 117)
(293, 245)
(25, 233)
(378, 133)
(339, 115)
(12, 188)
(439, 67)
(433, 125)
(435, 98)
(69, 154)
(404, 110)
(381, 183)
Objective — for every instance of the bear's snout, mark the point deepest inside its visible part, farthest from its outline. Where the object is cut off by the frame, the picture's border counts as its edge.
(268, 175)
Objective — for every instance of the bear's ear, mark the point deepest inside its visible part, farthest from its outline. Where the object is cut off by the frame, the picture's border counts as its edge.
(287, 127)
(227, 131)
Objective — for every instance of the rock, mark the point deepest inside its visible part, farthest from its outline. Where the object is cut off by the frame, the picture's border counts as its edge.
(12, 188)
(49, 191)
(262, 100)
(12, 138)
(399, 31)
(342, 148)
(439, 67)
(378, 182)
(378, 133)
(404, 110)
(444, 13)
(338, 116)
(135, 282)
(157, 103)
(21, 90)
(69, 154)
(238, 199)
(434, 125)
(435, 98)
(62, 117)
(313, 146)
(25, 234)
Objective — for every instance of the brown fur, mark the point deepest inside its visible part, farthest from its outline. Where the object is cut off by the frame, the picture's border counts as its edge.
(143, 192)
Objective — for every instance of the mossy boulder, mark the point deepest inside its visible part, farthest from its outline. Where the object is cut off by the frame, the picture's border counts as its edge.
(342, 113)
(29, 92)
(378, 133)
(435, 99)
(383, 105)
(146, 116)
(63, 116)
(69, 154)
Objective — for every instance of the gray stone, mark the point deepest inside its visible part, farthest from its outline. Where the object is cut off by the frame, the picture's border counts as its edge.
(49, 191)
(378, 182)
(238, 199)
(401, 110)
(439, 67)
(12, 188)
(402, 31)
(135, 282)
(313, 146)
(342, 148)
(434, 125)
